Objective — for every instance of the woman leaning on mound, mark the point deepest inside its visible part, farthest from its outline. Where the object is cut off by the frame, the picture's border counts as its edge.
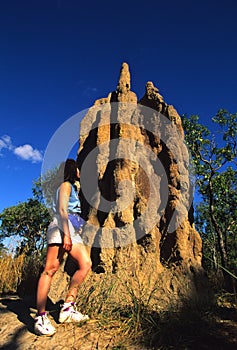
(63, 235)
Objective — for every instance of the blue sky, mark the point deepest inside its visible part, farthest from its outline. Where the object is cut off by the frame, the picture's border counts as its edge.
(58, 56)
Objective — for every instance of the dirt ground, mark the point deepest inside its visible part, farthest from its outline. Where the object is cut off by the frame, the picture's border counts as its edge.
(16, 332)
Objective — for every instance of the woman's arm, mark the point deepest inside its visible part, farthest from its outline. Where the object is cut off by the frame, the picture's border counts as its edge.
(63, 198)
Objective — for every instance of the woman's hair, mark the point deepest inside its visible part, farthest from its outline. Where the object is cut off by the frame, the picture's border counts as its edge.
(67, 171)
(70, 171)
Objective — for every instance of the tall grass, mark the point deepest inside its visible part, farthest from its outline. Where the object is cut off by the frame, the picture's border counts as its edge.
(137, 315)
(132, 308)
(11, 270)
(145, 309)
(19, 274)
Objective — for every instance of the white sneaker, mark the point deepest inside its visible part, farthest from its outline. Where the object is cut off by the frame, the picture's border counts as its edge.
(69, 313)
(43, 326)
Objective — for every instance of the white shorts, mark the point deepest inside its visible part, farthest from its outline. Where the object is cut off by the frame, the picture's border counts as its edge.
(55, 234)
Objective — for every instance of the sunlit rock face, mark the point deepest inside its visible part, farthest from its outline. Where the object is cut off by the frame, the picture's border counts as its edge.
(136, 186)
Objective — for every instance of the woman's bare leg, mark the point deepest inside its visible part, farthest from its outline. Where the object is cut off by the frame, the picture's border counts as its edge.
(53, 259)
(81, 256)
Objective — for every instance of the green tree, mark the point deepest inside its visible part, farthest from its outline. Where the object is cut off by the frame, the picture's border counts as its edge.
(214, 156)
(28, 221)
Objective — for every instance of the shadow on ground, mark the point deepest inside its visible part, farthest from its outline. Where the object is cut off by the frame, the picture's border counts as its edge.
(189, 329)
(22, 308)
(192, 330)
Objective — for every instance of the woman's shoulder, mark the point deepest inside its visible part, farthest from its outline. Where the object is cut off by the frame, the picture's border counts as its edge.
(66, 186)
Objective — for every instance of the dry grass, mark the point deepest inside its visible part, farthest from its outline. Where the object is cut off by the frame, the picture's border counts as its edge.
(135, 309)
(139, 316)
(11, 270)
(139, 311)
(18, 273)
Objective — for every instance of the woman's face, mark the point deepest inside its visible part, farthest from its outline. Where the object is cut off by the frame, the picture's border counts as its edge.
(78, 173)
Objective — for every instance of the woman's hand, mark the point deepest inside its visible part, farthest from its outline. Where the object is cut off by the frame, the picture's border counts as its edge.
(67, 243)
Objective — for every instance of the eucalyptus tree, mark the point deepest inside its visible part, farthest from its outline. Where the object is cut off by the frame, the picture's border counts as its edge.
(214, 156)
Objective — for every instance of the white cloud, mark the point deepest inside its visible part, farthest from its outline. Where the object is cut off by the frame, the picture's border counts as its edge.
(5, 142)
(25, 152)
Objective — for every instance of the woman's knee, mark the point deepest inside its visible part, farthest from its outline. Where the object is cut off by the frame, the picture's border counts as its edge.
(86, 266)
(81, 256)
(50, 271)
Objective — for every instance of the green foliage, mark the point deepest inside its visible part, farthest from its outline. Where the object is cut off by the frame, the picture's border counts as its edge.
(214, 156)
(28, 221)
(225, 212)
(38, 191)
(48, 185)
